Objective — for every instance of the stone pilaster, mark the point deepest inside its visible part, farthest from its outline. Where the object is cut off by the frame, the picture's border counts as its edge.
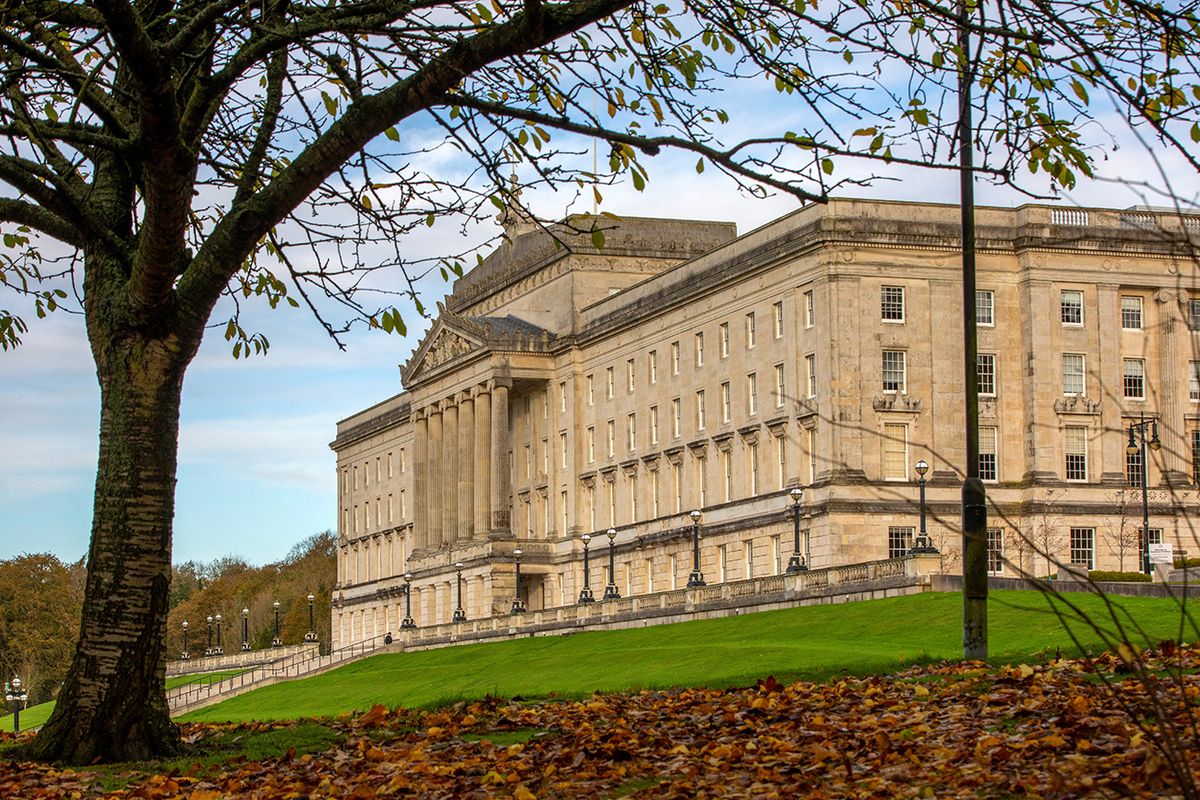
(466, 467)
(450, 472)
(1111, 466)
(483, 462)
(436, 477)
(420, 480)
(1174, 378)
(501, 445)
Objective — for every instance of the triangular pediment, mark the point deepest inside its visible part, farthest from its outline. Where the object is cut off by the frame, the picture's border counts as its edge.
(446, 341)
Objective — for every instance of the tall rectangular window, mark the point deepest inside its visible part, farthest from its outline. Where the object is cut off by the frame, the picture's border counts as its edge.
(591, 444)
(1075, 447)
(895, 451)
(609, 381)
(654, 494)
(562, 448)
(631, 432)
(1193, 315)
(699, 345)
(810, 372)
(1133, 468)
(633, 499)
(611, 427)
(810, 310)
(985, 308)
(779, 386)
(726, 476)
(701, 481)
(562, 396)
(610, 491)
(751, 335)
(1194, 380)
(674, 358)
(1134, 378)
(700, 422)
(781, 459)
(653, 425)
(777, 315)
(900, 539)
(752, 463)
(894, 373)
(676, 488)
(591, 390)
(1071, 304)
(892, 303)
(1196, 457)
(985, 368)
(811, 435)
(652, 366)
(752, 393)
(563, 509)
(748, 558)
(1131, 313)
(1083, 551)
(995, 551)
(676, 417)
(726, 403)
(987, 453)
(724, 338)
(629, 375)
(1073, 373)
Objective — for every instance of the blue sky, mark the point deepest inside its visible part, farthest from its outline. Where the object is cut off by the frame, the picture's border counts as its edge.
(255, 471)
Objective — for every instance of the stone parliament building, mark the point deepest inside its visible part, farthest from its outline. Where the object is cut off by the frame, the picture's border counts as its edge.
(565, 389)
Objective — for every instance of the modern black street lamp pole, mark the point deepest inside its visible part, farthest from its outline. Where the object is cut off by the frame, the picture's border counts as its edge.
(218, 651)
(696, 579)
(585, 594)
(797, 563)
(1134, 448)
(459, 614)
(922, 544)
(518, 606)
(276, 642)
(184, 655)
(311, 636)
(15, 696)
(610, 590)
(407, 622)
(245, 629)
(208, 648)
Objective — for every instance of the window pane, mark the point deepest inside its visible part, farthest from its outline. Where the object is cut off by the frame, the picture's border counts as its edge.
(899, 541)
(895, 452)
(995, 551)
(1131, 313)
(1081, 546)
(893, 371)
(1076, 453)
(985, 364)
(984, 307)
(1134, 379)
(1072, 369)
(1072, 308)
(987, 454)
(892, 303)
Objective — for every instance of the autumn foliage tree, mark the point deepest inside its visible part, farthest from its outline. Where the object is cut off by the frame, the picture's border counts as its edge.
(40, 600)
(169, 160)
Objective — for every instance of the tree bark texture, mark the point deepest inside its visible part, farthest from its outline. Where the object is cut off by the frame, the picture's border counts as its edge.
(112, 706)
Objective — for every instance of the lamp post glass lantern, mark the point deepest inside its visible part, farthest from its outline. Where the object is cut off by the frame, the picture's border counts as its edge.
(185, 655)
(459, 614)
(276, 642)
(610, 589)
(1134, 448)
(311, 636)
(922, 544)
(696, 579)
(407, 623)
(15, 697)
(585, 594)
(208, 648)
(218, 649)
(797, 562)
(518, 606)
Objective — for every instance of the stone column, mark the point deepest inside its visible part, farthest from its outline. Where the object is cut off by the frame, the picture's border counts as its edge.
(1043, 381)
(450, 465)
(501, 484)
(1111, 463)
(433, 483)
(1174, 376)
(466, 467)
(420, 465)
(483, 462)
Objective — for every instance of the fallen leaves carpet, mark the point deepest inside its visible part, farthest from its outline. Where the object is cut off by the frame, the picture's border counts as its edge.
(1064, 729)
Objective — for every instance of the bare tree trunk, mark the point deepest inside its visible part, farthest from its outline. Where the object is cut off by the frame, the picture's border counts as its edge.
(112, 705)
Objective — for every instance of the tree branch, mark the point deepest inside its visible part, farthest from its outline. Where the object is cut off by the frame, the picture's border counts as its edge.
(40, 219)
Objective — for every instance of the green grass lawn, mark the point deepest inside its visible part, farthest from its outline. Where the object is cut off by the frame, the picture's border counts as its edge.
(35, 716)
(814, 642)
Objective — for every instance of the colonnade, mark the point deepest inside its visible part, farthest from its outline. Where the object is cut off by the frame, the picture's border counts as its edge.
(462, 482)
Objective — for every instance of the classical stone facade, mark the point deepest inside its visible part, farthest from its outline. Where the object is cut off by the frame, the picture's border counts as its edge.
(567, 388)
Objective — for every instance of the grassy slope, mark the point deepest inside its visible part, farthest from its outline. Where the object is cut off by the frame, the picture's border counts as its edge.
(812, 642)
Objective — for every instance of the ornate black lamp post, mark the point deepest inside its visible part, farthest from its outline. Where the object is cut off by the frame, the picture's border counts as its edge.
(185, 655)
(797, 563)
(208, 648)
(15, 696)
(696, 579)
(459, 614)
(311, 636)
(922, 544)
(1134, 448)
(218, 650)
(407, 623)
(518, 606)
(276, 642)
(245, 629)
(585, 594)
(610, 590)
